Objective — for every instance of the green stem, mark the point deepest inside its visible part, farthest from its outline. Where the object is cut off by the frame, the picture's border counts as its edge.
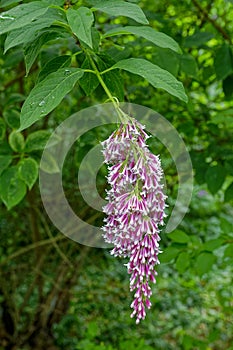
(89, 71)
(120, 113)
(107, 70)
(108, 93)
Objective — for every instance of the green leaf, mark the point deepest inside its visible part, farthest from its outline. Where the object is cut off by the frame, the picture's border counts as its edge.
(5, 3)
(21, 15)
(12, 188)
(5, 148)
(121, 8)
(12, 59)
(228, 253)
(197, 39)
(229, 193)
(118, 52)
(167, 60)
(12, 117)
(114, 82)
(223, 62)
(188, 65)
(89, 81)
(28, 171)
(80, 22)
(227, 86)
(112, 79)
(179, 236)
(15, 98)
(54, 2)
(30, 32)
(226, 226)
(204, 262)
(215, 176)
(92, 330)
(95, 39)
(212, 244)
(5, 161)
(169, 254)
(47, 94)
(229, 166)
(37, 140)
(148, 33)
(2, 129)
(49, 164)
(53, 65)
(155, 75)
(16, 141)
(182, 262)
(32, 50)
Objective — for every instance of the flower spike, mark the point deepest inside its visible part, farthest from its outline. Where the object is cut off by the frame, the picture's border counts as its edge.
(135, 209)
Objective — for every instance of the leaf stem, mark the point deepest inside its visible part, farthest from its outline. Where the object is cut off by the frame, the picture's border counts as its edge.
(107, 70)
(121, 114)
(89, 71)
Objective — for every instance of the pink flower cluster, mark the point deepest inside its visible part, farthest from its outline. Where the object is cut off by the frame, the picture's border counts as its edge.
(135, 208)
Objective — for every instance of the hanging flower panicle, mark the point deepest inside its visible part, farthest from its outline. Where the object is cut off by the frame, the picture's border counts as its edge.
(135, 208)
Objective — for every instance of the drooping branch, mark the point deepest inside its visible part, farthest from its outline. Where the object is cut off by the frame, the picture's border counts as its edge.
(205, 13)
(30, 247)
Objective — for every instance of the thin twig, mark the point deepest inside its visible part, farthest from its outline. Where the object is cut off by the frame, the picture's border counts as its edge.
(46, 227)
(31, 247)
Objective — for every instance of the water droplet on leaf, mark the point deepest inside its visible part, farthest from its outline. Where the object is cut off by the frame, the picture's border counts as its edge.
(41, 103)
(67, 72)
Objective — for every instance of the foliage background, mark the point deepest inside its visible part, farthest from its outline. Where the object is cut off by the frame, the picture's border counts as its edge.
(56, 294)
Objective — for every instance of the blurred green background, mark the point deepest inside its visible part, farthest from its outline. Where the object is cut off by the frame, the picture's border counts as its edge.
(57, 294)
